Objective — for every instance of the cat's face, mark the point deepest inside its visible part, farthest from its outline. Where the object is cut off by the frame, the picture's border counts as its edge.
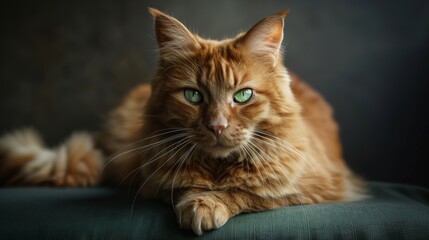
(221, 91)
(217, 97)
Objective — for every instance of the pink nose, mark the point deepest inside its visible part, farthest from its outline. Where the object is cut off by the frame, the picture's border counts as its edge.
(217, 124)
(217, 129)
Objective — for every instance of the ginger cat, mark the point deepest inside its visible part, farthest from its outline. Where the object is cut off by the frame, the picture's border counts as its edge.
(222, 129)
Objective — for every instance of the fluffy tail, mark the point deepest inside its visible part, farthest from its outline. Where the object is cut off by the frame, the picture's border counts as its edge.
(25, 160)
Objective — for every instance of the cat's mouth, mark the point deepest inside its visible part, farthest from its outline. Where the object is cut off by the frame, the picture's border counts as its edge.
(217, 148)
(220, 143)
(220, 146)
(221, 150)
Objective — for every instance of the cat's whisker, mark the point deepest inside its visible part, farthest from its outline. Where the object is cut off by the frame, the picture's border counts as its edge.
(248, 152)
(175, 175)
(149, 146)
(164, 151)
(165, 176)
(247, 149)
(298, 195)
(271, 137)
(154, 158)
(157, 134)
(197, 148)
(290, 148)
(282, 146)
(288, 179)
(181, 145)
(290, 182)
(247, 164)
(250, 148)
(150, 161)
(265, 135)
(297, 170)
(257, 149)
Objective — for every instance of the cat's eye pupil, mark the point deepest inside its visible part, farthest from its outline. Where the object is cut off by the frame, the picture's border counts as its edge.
(193, 95)
(243, 95)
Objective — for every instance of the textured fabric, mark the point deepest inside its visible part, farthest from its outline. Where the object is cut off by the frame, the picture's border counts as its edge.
(394, 212)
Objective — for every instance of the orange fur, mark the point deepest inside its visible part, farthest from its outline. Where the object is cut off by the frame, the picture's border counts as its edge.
(280, 148)
(26, 161)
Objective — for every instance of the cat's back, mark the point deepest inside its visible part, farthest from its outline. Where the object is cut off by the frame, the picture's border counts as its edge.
(317, 113)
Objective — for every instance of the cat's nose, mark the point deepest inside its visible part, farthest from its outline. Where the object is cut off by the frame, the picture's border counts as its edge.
(218, 124)
(217, 129)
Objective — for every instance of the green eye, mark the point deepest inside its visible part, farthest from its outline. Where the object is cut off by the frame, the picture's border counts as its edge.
(193, 96)
(243, 95)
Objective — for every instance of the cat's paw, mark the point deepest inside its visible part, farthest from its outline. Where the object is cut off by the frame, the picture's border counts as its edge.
(201, 213)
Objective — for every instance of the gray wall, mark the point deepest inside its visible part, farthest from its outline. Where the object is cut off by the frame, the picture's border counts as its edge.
(64, 64)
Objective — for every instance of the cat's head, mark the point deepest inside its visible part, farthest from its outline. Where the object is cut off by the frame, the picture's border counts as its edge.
(220, 91)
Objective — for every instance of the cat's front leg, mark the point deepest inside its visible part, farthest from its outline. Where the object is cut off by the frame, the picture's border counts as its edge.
(202, 211)
(205, 210)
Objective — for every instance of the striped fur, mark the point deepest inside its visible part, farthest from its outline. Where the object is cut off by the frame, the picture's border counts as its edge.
(281, 148)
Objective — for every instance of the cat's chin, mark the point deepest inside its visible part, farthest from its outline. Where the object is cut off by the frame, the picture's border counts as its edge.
(219, 151)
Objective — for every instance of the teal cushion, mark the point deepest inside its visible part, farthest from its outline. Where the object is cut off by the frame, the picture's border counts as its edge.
(394, 212)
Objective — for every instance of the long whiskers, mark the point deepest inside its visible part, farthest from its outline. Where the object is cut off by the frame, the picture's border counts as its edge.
(284, 174)
(298, 195)
(181, 145)
(168, 131)
(272, 140)
(167, 174)
(156, 157)
(175, 175)
(251, 150)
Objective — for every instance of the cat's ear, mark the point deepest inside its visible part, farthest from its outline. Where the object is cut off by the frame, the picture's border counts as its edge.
(264, 39)
(172, 36)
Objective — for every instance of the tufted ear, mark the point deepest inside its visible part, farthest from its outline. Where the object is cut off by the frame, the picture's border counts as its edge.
(172, 36)
(264, 39)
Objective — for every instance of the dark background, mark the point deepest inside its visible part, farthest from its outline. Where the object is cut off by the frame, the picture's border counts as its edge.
(64, 64)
